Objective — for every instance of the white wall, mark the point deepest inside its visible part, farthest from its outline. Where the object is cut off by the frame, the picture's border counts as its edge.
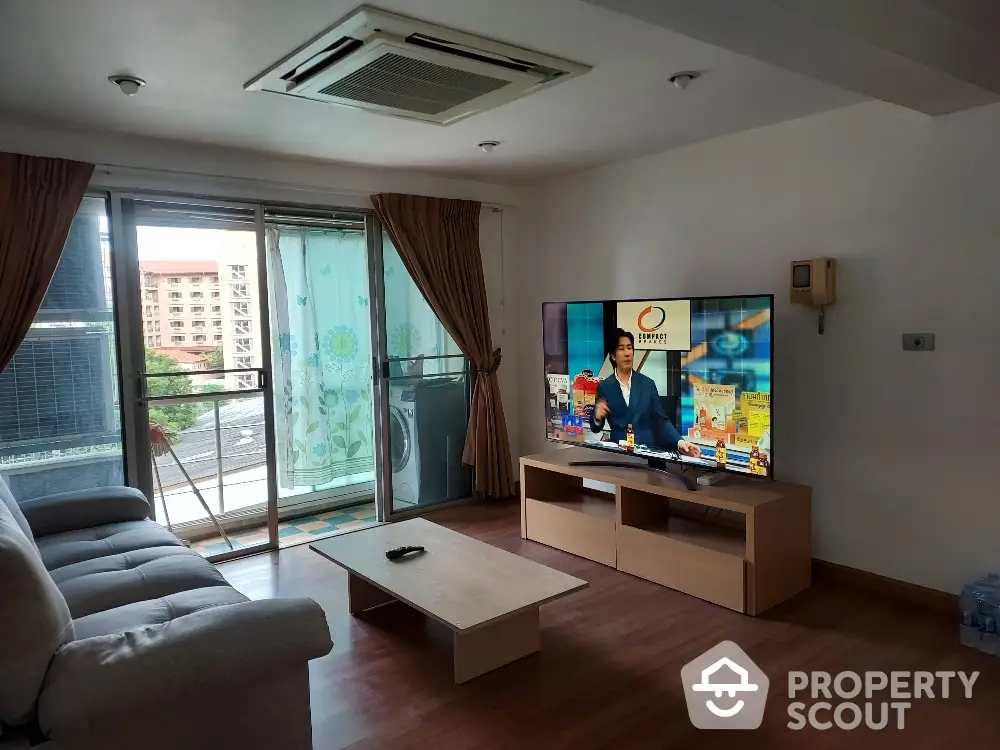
(895, 444)
(137, 163)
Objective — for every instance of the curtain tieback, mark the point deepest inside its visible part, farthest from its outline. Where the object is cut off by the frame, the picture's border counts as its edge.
(494, 366)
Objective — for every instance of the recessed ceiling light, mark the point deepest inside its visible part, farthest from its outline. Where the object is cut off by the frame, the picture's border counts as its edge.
(489, 146)
(128, 84)
(683, 79)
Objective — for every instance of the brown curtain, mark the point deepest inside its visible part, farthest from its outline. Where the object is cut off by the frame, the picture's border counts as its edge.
(38, 199)
(438, 241)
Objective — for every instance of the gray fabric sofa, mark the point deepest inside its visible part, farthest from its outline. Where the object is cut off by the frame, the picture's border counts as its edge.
(113, 635)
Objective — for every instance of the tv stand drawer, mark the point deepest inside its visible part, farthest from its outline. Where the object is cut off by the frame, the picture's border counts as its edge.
(708, 574)
(571, 529)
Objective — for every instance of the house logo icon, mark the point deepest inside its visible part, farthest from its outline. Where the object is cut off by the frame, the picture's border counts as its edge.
(724, 689)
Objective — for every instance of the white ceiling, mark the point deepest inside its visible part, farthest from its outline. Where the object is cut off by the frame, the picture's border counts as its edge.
(197, 54)
(932, 56)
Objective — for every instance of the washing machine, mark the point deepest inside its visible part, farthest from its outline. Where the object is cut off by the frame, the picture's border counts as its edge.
(402, 446)
(428, 421)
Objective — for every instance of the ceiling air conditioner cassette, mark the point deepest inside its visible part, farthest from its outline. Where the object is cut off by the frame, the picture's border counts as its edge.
(392, 65)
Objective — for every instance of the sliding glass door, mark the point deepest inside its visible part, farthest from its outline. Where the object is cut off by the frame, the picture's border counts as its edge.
(199, 401)
(425, 383)
(325, 400)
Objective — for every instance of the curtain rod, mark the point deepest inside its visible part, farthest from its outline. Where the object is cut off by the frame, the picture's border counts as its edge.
(111, 169)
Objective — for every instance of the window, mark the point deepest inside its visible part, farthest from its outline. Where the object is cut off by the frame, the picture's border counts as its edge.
(174, 280)
(175, 295)
(176, 323)
(176, 310)
(241, 309)
(156, 326)
(149, 326)
(216, 324)
(239, 291)
(244, 345)
(244, 363)
(195, 280)
(178, 339)
(149, 311)
(216, 295)
(243, 327)
(152, 296)
(216, 309)
(218, 337)
(199, 339)
(197, 295)
(158, 339)
(245, 382)
(198, 323)
(156, 309)
(59, 418)
(150, 341)
(198, 310)
(238, 273)
(213, 280)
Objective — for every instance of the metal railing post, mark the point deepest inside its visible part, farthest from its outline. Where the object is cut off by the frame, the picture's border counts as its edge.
(218, 457)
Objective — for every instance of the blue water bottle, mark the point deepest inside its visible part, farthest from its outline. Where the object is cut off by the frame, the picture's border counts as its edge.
(968, 632)
(989, 640)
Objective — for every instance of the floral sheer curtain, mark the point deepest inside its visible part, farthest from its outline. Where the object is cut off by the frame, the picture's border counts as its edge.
(323, 360)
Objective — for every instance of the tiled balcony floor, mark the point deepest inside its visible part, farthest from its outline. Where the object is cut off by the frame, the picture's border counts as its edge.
(294, 531)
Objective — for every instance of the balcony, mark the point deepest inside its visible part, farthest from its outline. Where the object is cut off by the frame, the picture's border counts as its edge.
(224, 454)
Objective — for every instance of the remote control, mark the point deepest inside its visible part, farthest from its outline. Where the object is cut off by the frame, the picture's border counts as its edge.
(399, 552)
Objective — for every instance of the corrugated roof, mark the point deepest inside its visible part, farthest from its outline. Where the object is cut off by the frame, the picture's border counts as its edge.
(179, 267)
(183, 356)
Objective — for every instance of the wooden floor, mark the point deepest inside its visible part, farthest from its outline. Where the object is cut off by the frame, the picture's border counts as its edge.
(608, 674)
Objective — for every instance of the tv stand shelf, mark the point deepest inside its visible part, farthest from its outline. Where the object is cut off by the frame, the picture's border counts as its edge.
(744, 543)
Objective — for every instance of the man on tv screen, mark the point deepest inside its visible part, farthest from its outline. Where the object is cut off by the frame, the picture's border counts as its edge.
(631, 398)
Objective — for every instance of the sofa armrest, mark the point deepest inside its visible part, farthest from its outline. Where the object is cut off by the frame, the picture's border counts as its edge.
(90, 682)
(83, 509)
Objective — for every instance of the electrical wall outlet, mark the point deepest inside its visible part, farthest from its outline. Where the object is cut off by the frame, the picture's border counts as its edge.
(918, 342)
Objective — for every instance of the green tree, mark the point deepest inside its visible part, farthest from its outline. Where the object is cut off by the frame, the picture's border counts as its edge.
(214, 360)
(172, 417)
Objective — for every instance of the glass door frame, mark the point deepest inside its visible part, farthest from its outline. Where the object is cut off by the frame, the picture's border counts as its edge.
(127, 298)
(318, 216)
(131, 343)
(381, 374)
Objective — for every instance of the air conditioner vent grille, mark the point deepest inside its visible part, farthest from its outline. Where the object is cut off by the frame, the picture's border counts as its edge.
(405, 83)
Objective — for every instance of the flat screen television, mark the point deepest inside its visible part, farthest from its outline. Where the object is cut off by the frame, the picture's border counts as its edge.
(691, 387)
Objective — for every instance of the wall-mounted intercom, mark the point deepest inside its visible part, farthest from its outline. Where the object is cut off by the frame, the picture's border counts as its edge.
(814, 283)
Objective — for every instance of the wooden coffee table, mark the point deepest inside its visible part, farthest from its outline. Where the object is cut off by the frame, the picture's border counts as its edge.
(488, 597)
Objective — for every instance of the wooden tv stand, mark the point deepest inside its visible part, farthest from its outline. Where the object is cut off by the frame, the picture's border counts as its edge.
(744, 543)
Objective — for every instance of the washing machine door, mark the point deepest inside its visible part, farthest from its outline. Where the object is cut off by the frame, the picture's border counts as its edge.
(400, 441)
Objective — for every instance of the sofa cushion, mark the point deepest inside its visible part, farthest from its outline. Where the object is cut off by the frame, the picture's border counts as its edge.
(109, 563)
(116, 580)
(155, 611)
(7, 499)
(34, 622)
(70, 547)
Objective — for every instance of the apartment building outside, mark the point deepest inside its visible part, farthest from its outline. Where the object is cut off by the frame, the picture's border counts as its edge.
(191, 307)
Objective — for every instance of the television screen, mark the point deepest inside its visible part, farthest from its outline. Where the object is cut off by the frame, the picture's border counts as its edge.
(683, 380)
